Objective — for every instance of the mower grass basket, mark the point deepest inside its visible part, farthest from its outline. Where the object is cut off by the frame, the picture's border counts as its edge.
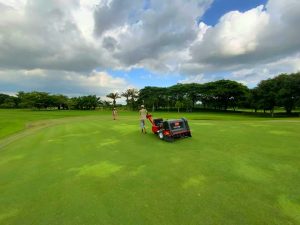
(172, 129)
(168, 130)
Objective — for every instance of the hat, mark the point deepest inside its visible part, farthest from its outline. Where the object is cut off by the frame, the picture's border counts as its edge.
(142, 106)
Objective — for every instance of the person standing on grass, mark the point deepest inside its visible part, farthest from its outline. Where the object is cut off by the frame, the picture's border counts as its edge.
(114, 113)
(143, 113)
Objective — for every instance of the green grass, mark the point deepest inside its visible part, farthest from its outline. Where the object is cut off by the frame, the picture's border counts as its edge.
(84, 168)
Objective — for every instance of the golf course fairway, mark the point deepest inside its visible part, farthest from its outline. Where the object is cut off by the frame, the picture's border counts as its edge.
(83, 168)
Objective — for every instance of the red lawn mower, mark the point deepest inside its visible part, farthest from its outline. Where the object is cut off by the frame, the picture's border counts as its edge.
(168, 130)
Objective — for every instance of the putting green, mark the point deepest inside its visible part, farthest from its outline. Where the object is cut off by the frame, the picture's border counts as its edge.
(86, 168)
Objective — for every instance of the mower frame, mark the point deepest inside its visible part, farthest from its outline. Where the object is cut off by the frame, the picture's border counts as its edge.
(169, 130)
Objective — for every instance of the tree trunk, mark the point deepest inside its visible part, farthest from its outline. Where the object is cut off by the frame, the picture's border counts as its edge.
(132, 103)
(288, 110)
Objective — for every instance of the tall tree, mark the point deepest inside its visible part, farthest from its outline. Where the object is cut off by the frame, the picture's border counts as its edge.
(85, 102)
(194, 92)
(178, 105)
(267, 95)
(7, 101)
(253, 99)
(296, 82)
(126, 94)
(3, 97)
(114, 97)
(134, 94)
(222, 94)
(287, 90)
(60, 101)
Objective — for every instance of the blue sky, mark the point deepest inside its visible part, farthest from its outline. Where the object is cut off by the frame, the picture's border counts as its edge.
(102, 46)
(140, 77)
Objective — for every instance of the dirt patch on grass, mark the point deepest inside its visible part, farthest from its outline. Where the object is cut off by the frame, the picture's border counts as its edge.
(33, 127)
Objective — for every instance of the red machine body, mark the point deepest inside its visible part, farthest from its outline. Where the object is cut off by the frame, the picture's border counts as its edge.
(170, 129)
(156, 123)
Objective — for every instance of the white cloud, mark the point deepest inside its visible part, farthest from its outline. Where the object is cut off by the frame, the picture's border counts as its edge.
(16, 4)
(252, 76)
(149, 37)
(82, 35)
(193, 79)
(247, 39)
(69, 83)
(236, 34)
(63, 40)
(83, 17)
(35, 73)
(275, 42)
(49, 35)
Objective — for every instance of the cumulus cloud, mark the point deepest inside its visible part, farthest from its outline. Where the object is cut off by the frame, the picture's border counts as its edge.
(65, 82)
(147, 35)
(200, 78)
(111, 14)
(55, 39)
(47, 35)
(236, 34)
(253, 75)
(80, 36)
(241, 39)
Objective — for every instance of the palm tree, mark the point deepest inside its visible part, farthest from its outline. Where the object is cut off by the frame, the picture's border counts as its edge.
(133, 93)
(113, 96)
(126, 94)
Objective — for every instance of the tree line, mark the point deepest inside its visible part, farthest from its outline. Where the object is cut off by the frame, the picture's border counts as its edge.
(44, 100)
(281, 91)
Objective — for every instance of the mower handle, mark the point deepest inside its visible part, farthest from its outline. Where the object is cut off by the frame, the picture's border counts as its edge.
(149, 117)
